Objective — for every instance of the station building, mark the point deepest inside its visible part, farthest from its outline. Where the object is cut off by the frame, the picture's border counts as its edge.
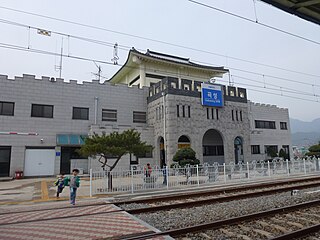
(168, 99)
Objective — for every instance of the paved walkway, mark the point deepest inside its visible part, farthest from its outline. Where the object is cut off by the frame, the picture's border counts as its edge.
(51, 221)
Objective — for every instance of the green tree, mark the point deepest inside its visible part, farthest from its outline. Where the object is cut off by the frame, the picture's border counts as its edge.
(283, 154)
(314, 150)
(185, 156)
(114, 145)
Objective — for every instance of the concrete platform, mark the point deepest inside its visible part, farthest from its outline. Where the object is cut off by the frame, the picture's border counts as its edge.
(77, 222)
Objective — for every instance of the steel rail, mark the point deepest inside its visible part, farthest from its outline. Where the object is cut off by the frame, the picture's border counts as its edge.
(218, 224)
(298, 233)
(218, 199)
(175, 205)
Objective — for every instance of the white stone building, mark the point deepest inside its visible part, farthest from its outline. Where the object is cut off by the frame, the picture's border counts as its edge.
(42, 121)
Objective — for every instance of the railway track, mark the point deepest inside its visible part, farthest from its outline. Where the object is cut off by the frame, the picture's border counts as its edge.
(175, 202)
(297, 183)
(283, 223)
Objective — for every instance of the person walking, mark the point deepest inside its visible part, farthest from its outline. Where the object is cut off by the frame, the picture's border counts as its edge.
(148, 170)
(164, 172)
(60, 184)
(74, 182)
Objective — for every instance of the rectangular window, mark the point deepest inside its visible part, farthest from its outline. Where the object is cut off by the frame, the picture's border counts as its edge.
(237, 116)
(271, 150)
(213, 150)
(255, 149)
(80, 113)
(44, 111)
(178, 111)
(7, 108)
(109, 115)
(161, 114)
(265, 124)
(217, 113)
(241, 116)
(212, 113)
(208, 117)
(189, 112)
(183, 111)
(147, 154)
(283, 126)
(232, 112)
(139, 117)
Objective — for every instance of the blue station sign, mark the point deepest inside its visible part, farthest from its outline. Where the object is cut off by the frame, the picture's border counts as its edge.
(211, 95)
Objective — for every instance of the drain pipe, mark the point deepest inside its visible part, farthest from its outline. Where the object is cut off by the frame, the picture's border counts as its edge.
(95, 110)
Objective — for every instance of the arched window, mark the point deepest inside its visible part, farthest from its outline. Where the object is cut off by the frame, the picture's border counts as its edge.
(183, 142)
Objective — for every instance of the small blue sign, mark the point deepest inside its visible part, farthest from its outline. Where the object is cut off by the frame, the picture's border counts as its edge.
(58, 154)
(211, 95)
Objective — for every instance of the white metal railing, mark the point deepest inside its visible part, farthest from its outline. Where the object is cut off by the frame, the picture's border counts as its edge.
(139, 179)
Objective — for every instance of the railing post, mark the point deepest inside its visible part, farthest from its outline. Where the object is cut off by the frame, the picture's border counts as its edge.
(304, 166)
(131, 179)
(269, 171)
(90, 182)
(198, 175)
(248, 169)
(224, 173)
(167, 173)
(288, 170)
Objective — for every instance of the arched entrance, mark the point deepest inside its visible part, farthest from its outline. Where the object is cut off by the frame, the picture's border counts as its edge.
(162, 152)
(212, 145)
(183, 142)
(238, 150)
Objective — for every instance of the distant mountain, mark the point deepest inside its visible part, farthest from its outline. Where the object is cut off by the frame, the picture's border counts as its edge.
(305, 133)
(301, 126)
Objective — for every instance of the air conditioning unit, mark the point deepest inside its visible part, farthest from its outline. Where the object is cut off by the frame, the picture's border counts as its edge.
(134, 167)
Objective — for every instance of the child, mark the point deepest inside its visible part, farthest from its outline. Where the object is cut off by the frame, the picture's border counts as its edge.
(148, 170)
(74, 182)
(60, 184)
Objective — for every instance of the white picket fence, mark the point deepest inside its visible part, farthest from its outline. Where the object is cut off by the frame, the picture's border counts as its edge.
(134, 180)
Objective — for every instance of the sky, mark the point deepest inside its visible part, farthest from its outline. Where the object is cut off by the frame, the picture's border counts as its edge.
(177, 27)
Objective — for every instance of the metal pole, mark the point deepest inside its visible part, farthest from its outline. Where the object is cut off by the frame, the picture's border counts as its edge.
(269, 169)
(164, 128)
(288, 170)
(90, 182)
(131, 179)
(248, 169)
(224, 172)
(167, 173)
(304, 166)
(198, 175)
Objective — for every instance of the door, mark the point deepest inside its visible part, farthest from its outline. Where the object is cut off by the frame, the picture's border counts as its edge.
(39, 162)
(5, 156)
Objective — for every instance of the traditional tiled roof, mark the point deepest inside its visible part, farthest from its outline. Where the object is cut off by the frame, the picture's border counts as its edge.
(176, 59)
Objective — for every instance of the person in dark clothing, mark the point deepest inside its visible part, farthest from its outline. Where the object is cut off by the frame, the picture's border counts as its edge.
(60, 184)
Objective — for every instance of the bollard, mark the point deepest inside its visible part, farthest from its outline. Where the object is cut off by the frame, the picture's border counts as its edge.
(269, 171)
(288, 170)
(167, 173)
(304, 166)
(131, 179)
(248, 170)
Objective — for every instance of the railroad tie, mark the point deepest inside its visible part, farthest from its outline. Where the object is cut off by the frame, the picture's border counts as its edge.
(231, 234)
(308, 220)
(263, 233)
(277, 227)
(311, 215)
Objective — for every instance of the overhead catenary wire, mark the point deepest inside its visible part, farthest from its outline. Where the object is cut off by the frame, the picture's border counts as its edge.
(15, 47)
(123, 47)
(148, 39)
(254, 21)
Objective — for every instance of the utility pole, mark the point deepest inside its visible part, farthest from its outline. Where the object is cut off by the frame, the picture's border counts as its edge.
(59, 67)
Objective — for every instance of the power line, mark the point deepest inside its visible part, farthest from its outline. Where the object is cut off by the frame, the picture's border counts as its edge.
(15, 47)
(140, 37)
(272, 93)
(291, 89)
(123, 47)
(253, 21)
